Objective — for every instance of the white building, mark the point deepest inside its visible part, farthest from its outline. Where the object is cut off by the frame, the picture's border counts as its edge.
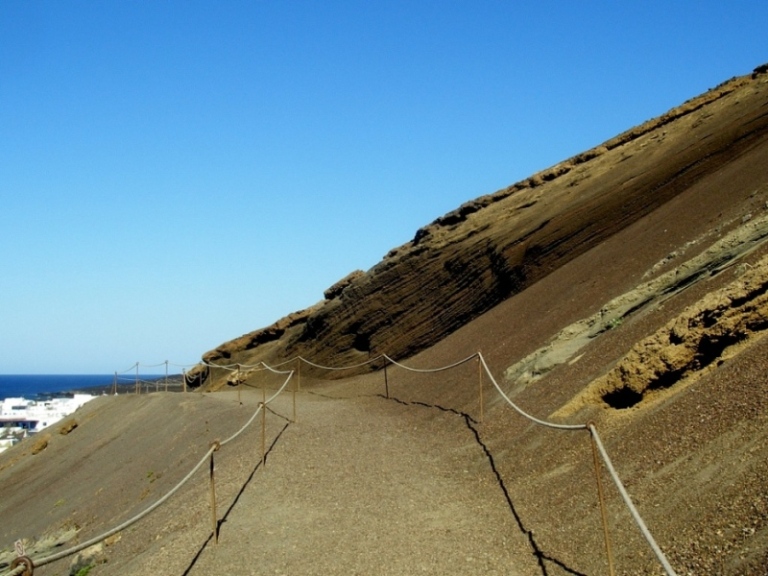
(20, 417)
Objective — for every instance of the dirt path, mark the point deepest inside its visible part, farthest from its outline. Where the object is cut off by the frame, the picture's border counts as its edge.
(370, 486)
(359, 485)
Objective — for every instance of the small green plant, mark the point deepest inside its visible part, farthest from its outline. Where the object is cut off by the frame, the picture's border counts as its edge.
(615, 322)
(84, 570)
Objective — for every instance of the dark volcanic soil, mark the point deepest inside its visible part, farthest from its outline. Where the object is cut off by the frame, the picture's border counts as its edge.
(416, 484)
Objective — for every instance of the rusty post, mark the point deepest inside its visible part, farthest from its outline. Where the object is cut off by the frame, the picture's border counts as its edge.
(386, 379)
(480, 385)
(138, 390)
(184, 378)
(298, 370)
(214, 521)
(263, 427)
(237, 379)
(166, 376)
(294, 402)
(601, 497)
(22, 566)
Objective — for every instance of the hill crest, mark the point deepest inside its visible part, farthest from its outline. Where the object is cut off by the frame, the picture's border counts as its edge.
(475, 257)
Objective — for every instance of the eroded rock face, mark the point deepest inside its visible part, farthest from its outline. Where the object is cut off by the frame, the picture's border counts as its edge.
(704, 335)
(471, 259)
(336, 290)
(257, 338)
(569, 341)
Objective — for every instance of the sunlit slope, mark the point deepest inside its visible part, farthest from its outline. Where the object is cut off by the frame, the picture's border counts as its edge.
(489, 249)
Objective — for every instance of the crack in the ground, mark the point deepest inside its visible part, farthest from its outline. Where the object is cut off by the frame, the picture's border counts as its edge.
(470, 422)
(279, 416)
(329, 397)
(424, 404)
(223, 519)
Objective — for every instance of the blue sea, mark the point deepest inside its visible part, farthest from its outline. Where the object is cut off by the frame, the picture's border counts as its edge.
(32, 385)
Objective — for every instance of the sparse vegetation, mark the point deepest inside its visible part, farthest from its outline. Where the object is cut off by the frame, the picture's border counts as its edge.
(83, 570)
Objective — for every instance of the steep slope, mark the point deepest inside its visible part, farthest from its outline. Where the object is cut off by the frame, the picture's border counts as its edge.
(652, 327)
(470, 260)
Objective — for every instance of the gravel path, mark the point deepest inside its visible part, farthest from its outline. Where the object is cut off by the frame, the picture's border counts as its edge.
(371, 486)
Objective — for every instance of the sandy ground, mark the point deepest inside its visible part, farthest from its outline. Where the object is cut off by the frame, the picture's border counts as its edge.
(365, 485)
(369, 486)
(359, 485)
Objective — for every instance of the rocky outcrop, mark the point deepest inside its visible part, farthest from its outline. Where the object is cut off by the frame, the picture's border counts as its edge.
(704, 335)
(259, 337)
(573, 338)
(336, 290)
(473, 258)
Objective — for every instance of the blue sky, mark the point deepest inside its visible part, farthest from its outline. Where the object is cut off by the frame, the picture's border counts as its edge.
(174, 174)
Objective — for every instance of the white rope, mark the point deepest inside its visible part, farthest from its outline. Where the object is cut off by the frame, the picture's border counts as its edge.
(128, 369)
(127, 523)
(281, 388)
(252, 367)
(236, 434)
(145, 512)
(18, 571)
(234, 367)
(230, 367)
(151, 365)
(630, 505)
(284, 362)
(627, 500)
(341, 367)
(274, 370)
(520, 410)
(429, 370)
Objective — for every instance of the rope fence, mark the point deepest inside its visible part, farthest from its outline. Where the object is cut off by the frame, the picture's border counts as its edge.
(595, 438)
(24, 566)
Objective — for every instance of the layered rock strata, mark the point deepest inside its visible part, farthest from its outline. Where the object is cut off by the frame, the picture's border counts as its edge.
(471, 259)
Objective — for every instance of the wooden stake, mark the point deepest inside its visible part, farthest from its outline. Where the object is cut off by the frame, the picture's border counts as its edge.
(237, 379)
(480, 384)
(294, 402)
(603, 511)
(386, 379)
(214, 522)
(263, 427)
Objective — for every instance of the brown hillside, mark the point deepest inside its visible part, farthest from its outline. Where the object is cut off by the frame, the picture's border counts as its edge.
(470, 260)
(627, 287)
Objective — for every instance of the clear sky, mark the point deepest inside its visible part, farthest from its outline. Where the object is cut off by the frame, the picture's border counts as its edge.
(176, 173)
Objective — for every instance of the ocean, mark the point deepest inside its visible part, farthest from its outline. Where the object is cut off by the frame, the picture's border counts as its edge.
(32, 385)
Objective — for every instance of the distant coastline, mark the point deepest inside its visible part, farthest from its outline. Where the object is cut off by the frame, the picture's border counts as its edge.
(46, 385)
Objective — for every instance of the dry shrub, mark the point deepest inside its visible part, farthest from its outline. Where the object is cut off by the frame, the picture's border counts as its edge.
(41, 443)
